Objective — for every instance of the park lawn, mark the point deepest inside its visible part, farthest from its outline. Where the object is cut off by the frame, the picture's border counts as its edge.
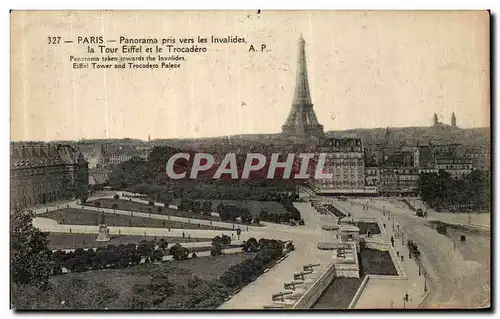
(332, 209)
(120, 282)
(73, 241)
(74, 216)
(253, 206)
(365, 227)
(339, 294)
(376, 262)
(124, 204)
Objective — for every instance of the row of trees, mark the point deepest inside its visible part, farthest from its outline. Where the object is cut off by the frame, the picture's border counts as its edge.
(219, 190)
(202, 207)
(277, 218)
(163, 293)
(441, 192)
(268, 251)
(231, 213)
(113, 256)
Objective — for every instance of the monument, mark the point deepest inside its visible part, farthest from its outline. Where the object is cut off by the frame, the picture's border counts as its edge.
(302, 121)
(103, 230)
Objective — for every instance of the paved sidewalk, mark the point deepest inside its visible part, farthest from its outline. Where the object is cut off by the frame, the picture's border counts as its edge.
(258, 294)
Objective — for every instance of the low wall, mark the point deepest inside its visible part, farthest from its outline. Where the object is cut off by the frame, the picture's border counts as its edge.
(358, 292)
(348, 271)
(312, 294)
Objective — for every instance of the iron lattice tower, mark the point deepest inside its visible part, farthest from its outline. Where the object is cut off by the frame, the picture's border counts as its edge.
(302, 121)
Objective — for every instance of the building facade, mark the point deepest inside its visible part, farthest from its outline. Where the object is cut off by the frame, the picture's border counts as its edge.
(115, 159)
(345, 161)
(456, 167)
(41, 173)
(398, 181)
(372, 176)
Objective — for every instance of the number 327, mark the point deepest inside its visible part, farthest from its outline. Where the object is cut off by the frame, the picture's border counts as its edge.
(54, 40)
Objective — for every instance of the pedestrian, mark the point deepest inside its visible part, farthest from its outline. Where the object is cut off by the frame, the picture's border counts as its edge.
(183, 235)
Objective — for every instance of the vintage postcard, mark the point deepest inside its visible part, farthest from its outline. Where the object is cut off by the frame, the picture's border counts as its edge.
(257, 160)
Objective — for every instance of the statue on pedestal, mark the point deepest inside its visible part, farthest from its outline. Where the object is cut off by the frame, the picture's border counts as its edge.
(103, 230)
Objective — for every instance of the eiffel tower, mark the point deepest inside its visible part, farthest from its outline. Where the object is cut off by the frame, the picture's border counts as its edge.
(302, 121)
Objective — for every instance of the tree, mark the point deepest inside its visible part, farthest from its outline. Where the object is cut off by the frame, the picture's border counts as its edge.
(226, 241)
(220, 208)
(216, 250)
(251, 245)
(30, 259)
(129, 173)
(83, 199)
(178, 252)
(163, 244)
(157, 255)
(145, 248)
(217, 240)
(246, 216)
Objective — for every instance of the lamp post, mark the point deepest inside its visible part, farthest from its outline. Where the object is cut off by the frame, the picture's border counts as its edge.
(425, 283)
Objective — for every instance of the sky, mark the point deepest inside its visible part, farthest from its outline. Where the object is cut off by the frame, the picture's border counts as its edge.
(366, 69)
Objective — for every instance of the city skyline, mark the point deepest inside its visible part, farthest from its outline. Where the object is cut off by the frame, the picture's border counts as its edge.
(397, 77)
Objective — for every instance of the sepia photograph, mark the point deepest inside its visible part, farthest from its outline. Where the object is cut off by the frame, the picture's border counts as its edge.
(250, 160)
